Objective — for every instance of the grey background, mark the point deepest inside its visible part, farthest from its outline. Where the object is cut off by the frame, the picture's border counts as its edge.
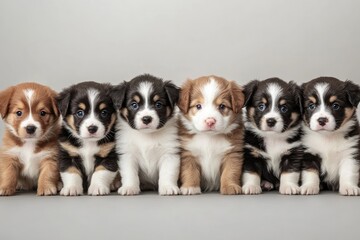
(60, 43)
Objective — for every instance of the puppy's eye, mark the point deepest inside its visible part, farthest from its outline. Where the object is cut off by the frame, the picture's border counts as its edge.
(283, 109)
(158, 105)
(43, 113)
(336, 106)
(198, 106)
(262, 107)
(134, 105)
(80, 113)
(19, 113)
(222, 106)
(104, 113)
(312, 106)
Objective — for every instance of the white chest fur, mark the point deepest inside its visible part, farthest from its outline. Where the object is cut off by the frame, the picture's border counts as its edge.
(87, 153)
(209, 150)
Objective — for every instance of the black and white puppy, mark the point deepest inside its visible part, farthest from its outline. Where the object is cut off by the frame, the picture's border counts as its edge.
(273, 150)
(88, 157)
(148, 143)
(331, 136)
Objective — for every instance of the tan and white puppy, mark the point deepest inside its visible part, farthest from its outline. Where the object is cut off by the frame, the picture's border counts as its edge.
(211, 135)
(29, 150)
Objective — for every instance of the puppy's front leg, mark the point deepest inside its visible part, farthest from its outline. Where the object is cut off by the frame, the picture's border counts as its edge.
(72, 182)
(48, 178)
(169, 174)
(9, 172)
(190, 174)
(101, 181)
(349, 178)
(230, 174)
(129, 171)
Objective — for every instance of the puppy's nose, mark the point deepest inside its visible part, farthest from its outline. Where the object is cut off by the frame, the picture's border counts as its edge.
(92, 129)
(322, 121)
(30, 129)
(271, 122)
(146, 120)
(210, 122)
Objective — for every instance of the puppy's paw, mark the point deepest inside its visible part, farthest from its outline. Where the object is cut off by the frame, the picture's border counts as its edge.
(97, 190)
(115, 185)
(190, 190)
(251, 189)
(72, 191)
(169, 190)
(231, 189)
(289, 189)
(267, 186)
(47, 191)
(349, 190)
(310, 189)
(7, 191)
(129, 190)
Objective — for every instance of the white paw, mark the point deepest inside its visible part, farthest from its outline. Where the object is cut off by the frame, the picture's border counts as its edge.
(71, 190)
(190, 190)
(310, 189)
(265, 185)
(349, 190)
(289, 189)
(129, 190)
(169, 190)
(251, 189)
(97, 189)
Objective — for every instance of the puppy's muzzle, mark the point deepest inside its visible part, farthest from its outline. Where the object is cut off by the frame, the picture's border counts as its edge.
(30, 129)
(146, 120)
(271, 122)
(92, 129)
(322, 121)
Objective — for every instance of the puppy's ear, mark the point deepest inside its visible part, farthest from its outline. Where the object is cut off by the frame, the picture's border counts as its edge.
(184, 100)
(5, 97)
(249, 90)
(63, 101)
(117, 95)
(297, 93)
(52, 95)
(353, 93)
(172, 92)
(237, 97)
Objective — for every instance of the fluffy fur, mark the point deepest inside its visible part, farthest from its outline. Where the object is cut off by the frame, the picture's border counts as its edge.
(148, 142)
(273, 150)
(29, 152)
(331, 136)
(88, 157)
(211, 134)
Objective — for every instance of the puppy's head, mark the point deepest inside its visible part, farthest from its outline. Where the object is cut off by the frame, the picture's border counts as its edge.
(329, 103)
(273, 105)
(146, 102)
(211, 104)
(87, 110)
(29, 110)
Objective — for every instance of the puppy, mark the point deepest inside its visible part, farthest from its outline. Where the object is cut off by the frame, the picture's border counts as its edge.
(211, 134)
(29, 152)
(88, 157)
(331, 136)
(273, 149)
(148, 142)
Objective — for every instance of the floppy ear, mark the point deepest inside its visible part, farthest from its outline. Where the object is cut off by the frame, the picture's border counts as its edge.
(237, 97)
(117, 95)
(249, 90)
(184, 99)
(5, 97)
(54, 106)
(353, 92)
(172, 92)
(63, 101)
(297, 93)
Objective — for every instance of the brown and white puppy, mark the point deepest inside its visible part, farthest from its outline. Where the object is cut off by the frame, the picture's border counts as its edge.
(211, 135)
(28, 154)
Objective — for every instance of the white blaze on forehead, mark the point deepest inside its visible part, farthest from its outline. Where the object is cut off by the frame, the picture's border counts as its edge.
(29, 93)
(210, 91)
(145, 89)
(322, 89)
(275, 92)
(92, 94)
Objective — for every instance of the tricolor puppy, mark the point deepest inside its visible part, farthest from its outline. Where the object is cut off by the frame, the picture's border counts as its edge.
(148, 143)
(331, 136)
(88, 157)
(28, 157)
(273, 150)
(211, 134)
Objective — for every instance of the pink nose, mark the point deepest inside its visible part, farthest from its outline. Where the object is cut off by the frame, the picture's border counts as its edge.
(210, 122)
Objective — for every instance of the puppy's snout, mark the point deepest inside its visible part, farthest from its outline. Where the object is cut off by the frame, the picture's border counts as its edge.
(30, 129)
(92, 129)
(146, 120)
(322, 121)
(210, 122)
(271, 122)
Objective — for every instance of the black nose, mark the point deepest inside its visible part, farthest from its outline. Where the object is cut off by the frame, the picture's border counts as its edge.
(147, 119)
(271, 122)
(92, 129)
(30, 129)
(322, 121)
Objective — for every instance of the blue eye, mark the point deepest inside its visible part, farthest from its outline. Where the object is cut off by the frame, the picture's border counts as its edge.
(336, 106)
(104, 113)
(222, 106)
(134, 105)
(312, 106)
(283, 109)
(262, 107)
(80, 113)
(198, 106)
(158, 105)
(19, 113)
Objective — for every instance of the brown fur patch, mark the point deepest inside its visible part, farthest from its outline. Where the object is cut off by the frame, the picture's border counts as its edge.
(102, 106)
(349, 112)
(73, 170)
(105, 149)
(48, 178)
(100, 167)
(312, 99)
(333, 99)
(70, 149)
(156, 97)
(264, 100)
(136, 98)
(125, 113)
(190, 173)
(10, 168)
(282, 102)
(70, 121)
(82, 106)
